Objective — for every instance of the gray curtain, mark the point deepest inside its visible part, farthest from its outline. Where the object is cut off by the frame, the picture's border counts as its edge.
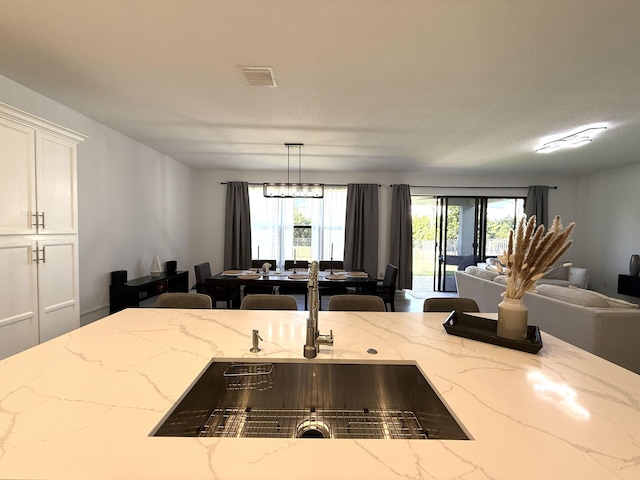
(538, 204)
(361, 228)
(237, 226)
(401, 238)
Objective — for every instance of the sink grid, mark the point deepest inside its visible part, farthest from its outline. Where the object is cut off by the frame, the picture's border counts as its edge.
(284, 423)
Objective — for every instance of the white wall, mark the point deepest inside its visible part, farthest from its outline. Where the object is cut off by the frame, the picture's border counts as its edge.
(133, 201)
(610, 218)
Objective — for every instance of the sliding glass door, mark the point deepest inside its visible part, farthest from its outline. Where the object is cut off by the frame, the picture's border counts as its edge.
(457, 238)
(451, 233)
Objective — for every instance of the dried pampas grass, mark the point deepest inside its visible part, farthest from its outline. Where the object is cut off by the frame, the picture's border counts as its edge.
(530, 254)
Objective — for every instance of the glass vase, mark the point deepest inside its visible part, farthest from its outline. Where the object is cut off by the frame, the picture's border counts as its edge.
(156, 267)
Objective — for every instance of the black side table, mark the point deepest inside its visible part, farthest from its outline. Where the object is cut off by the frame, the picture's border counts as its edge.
(628, 285)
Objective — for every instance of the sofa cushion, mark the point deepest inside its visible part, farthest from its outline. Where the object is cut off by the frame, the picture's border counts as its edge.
(557, 272)
(481, 272)
(611, 302)
(501, 279)
(575, 296)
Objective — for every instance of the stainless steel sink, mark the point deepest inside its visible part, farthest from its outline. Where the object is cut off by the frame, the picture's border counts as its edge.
(288, 399)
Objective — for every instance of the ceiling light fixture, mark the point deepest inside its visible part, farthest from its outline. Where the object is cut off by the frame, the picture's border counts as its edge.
(293, 190)
(571, 141)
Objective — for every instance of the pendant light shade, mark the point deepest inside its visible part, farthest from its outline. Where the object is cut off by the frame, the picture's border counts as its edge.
(293, 190)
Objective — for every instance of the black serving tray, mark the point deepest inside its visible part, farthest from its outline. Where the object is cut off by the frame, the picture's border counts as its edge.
(484, 330)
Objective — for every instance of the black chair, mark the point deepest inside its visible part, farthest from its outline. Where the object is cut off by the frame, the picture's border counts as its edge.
(301, 264)
(251, 289)
(448, 304)
(296, 289)
(386, 288)
(258, 264)
(222, 293)
(325, 265)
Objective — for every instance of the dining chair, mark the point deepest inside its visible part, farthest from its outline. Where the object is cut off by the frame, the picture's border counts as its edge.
(269, 302)
(448, 304)
(221, 293)
(183, 300)
(356, 303)
(296, 289)
(324, 265)
(301, 264)
(257, 289)
(257, 263)
(386, 288)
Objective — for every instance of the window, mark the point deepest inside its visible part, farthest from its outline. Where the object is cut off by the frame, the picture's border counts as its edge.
(300, 228)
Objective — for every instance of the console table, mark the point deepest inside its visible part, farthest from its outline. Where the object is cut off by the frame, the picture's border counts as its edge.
(132, 292)
(629, 285)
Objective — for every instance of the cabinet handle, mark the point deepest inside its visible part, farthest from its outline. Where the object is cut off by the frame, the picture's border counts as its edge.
(44, 260)
(37, 224)
(35, 252)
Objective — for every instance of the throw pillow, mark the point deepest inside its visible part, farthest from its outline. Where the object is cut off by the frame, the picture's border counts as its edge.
(575, 296)
(501, 279)
(611, 302)
(557, 272)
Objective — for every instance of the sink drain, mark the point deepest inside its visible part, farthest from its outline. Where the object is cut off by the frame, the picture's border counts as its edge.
(313, 428)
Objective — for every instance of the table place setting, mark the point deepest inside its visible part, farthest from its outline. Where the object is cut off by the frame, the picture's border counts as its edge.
(357, 274)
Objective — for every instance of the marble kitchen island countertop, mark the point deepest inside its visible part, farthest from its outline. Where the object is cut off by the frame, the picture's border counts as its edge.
(83, 405)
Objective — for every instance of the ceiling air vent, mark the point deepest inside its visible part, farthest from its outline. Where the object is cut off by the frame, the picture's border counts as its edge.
(259, 76)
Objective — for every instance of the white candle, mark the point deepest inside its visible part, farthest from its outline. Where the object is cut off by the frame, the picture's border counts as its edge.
(331, 251)
(258, 253)
(294, 255)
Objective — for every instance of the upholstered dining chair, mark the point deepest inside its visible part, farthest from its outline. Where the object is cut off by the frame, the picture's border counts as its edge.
(269, 302)
(183, 300)
(448, 304)
(356, 303)
(255, 289)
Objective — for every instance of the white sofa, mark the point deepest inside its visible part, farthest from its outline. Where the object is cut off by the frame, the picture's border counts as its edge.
(607, 327)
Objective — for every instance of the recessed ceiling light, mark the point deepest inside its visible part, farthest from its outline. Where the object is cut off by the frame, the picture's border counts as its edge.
(577, 139)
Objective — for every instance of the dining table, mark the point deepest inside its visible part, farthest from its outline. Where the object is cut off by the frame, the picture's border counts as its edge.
(230, 279)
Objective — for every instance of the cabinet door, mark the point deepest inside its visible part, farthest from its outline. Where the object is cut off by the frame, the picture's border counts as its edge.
(18, 296)
(57, 187)
(58, 287)
(17, 181)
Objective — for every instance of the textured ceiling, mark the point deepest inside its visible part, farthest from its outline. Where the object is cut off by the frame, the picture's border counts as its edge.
(367, 85)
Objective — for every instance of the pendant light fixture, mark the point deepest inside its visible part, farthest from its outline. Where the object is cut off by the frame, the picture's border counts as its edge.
(293, 190)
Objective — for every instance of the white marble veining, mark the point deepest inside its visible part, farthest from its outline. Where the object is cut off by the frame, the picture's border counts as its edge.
(82, 405)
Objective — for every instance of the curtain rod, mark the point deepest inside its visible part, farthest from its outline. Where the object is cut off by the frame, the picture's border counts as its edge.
(470, 188)
(326, 184)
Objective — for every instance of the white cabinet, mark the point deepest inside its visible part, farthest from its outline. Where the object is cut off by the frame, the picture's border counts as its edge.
(38, 230)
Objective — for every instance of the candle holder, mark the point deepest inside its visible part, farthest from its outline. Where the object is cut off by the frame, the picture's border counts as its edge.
(331, 264)
(295, 263)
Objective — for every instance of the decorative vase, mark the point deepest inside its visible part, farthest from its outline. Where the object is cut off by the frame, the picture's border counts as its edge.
(156, 267)
(634, 265)
(512, 319)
